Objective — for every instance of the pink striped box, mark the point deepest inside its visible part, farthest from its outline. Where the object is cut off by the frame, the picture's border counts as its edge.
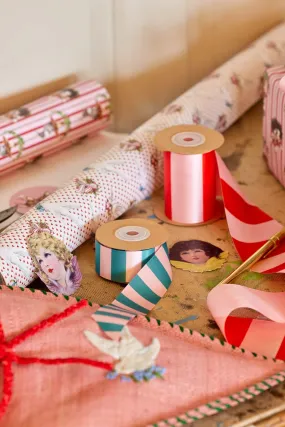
(274, 122)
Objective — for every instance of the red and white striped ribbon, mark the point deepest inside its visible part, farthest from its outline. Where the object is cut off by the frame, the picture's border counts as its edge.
(250, 228)
(190, 187)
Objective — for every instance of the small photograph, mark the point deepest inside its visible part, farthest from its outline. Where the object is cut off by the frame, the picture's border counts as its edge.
(197, 256)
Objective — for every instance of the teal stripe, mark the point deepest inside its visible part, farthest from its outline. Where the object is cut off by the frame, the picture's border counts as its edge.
(143, 290)
(114, 307)
(119, 316)
(160, 272)
(97, 256)
(146, 255)
(112, 327)
(118, 266)
(129, 303)
(165, 247)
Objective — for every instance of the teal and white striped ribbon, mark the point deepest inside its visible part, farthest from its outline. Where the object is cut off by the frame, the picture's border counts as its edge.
(142, 293)
(119, 265)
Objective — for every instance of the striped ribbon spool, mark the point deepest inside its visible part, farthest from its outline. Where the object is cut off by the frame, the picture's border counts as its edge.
(118, 265)
(190, 174)
(148, 270)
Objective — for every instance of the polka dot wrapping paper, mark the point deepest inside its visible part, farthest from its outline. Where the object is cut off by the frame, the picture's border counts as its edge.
(133, 169)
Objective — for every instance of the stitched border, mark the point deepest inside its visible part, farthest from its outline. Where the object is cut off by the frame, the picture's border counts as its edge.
(212, 407)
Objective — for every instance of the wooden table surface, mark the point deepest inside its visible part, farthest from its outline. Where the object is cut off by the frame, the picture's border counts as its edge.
(186, 298)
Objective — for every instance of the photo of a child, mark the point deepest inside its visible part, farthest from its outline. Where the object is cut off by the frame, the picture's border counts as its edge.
(197, 256)
(55, 265)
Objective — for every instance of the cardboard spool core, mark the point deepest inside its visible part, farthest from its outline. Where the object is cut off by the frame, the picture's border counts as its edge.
(156, 234)
(188, 139)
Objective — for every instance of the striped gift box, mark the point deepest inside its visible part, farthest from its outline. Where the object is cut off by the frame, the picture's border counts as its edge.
(52, 123)
(274, 122)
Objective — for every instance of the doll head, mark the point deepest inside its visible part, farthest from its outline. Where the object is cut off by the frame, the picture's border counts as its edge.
(194, 251)
(49, 254)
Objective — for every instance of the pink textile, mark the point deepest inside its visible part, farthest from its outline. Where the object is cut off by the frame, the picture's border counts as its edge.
(198, 370)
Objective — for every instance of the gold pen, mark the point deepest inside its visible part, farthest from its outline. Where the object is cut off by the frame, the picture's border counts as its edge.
(262, 252)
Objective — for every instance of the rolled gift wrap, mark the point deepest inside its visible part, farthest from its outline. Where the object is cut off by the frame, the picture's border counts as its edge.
(132, 170)
(123, 247)
(52, 123)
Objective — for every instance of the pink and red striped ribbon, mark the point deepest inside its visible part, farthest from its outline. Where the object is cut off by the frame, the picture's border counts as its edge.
(250, 228)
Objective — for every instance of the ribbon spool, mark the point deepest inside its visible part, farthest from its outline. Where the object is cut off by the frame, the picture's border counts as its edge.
(123, 247)
(190, 174)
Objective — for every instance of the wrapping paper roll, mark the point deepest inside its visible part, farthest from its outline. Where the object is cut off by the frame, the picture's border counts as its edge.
(133, 170)
(52, 123)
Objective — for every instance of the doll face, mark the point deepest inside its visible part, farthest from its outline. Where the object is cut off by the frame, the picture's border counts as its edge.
(51, 265)
(194, 256)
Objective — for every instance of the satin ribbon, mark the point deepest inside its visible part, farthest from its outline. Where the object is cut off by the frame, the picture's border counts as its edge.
(250, 228)
(142, 293)
(190, 187)
(119, 265)
(265, 335)
(190, 195)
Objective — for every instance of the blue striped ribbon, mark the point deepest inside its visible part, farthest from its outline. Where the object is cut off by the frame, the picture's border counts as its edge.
(139, 297)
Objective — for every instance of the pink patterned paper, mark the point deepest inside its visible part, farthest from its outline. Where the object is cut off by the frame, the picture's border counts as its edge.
(274, 122)
(132, 170)
(52, 123)
(200, 372)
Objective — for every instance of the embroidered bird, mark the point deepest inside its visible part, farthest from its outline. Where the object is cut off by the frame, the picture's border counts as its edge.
(63, 210)
(131, 354)
(13, 255)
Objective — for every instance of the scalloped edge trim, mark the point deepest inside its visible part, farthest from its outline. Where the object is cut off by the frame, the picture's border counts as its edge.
(208, 409)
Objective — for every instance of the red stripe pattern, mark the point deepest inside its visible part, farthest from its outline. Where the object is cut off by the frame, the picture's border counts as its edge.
(52, 123)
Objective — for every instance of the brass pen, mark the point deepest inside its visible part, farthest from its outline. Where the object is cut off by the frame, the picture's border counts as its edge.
(262, 252)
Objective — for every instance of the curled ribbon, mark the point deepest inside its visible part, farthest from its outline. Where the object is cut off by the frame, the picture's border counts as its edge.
(8, 357)
(139, 297)
(264, 334)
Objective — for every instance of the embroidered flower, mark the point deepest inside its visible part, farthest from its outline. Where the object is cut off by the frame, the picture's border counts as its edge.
(236, 80)
(196, 117)
(172, 108)
(39, 208)
(154, 161)
(131, 145)
(214, 75)
(139, 376)
(272, 45)
(221, 123)
(86, 185)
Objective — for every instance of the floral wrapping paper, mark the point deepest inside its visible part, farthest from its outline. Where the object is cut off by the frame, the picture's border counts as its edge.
(52, 123)
(132, 170)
